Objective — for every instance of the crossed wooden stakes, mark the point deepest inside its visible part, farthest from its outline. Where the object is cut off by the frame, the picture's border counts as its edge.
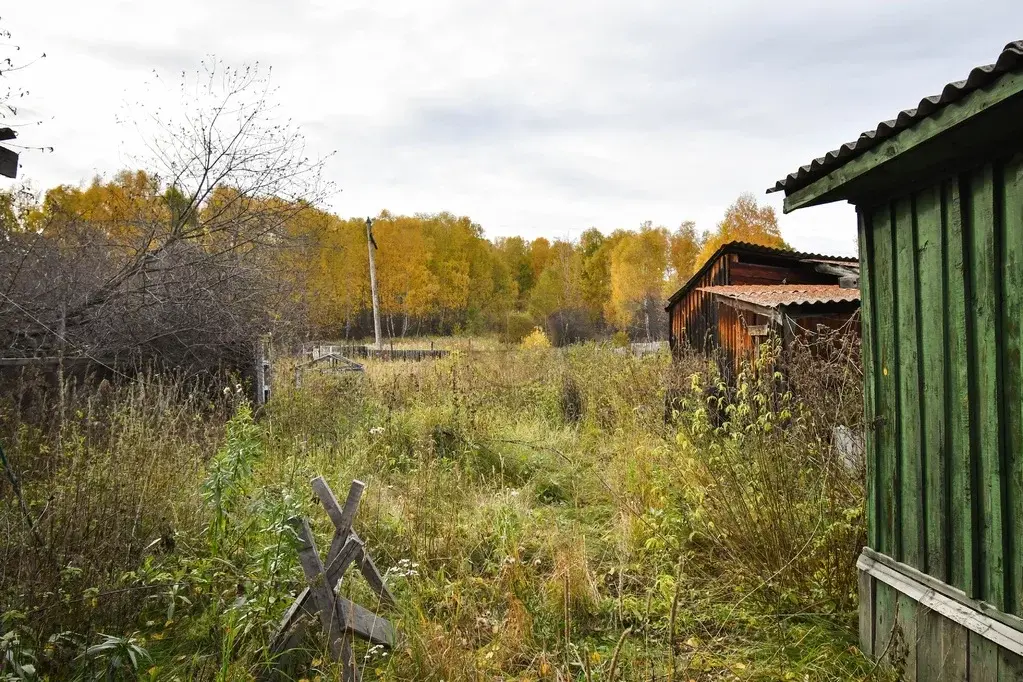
(340, 618)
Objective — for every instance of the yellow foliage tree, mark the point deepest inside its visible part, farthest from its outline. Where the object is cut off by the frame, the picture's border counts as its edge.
(684, 246)
(744, 221)
(637, 269)
(124, 209)
(408, 288)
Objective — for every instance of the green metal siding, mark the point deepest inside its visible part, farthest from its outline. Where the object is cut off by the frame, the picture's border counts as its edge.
(942, 300)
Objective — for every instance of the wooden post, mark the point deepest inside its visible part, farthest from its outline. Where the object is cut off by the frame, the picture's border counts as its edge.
(365, 563)
(339, 617)
(333, 612)
(373, 282)
(262, 364)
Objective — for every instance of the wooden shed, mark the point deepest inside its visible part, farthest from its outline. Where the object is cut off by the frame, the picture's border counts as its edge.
(745, 291)
(939, 197)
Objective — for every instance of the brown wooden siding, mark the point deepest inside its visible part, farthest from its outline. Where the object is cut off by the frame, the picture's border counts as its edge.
(699, 321)
(755, 273)
(733, 334)
(694, 317)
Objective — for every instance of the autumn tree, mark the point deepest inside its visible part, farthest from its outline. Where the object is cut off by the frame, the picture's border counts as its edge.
(744, 221)
(556, 300)
(596, 274)
(637, 270)
(513, 252)
(684, 246)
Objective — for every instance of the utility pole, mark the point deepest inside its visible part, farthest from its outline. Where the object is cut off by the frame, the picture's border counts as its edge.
(373, 282)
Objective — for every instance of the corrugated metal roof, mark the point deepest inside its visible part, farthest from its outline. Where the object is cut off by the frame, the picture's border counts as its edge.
(746, 247)
(1010, 59)
(735, 247)
(774, 295)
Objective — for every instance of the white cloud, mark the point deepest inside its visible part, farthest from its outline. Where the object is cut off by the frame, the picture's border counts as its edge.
(534, 118)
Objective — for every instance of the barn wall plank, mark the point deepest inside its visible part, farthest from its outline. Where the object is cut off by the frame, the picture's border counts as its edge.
(932, 323)
(886, 635)
(983, 659)
(958, 412)
(866, 588)
(870, 372)
(1012, 383)
(985, 379)
(906, 616)
(886, 426)
(941, 648)
(907, 368)
(954, 647)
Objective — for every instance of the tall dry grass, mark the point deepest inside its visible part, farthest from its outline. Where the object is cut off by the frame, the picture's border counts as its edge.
(529, 507)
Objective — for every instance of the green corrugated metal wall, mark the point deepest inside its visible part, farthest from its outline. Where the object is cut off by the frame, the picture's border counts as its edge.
(942, 302)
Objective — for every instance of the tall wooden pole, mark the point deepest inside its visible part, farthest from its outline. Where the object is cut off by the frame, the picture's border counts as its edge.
(373, 282)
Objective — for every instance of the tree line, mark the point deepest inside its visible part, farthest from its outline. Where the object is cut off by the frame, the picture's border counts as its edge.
(439, 274)
(219, 235)
(244, 264)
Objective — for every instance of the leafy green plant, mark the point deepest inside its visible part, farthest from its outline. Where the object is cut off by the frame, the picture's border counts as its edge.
(114, 658)
(230, 471)
(17, 661)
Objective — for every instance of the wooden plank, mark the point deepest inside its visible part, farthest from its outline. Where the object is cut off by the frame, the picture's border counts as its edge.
(930, 663)
(364, 624)
(954, 650)
(327, 499)
(941, 648)
(1012, 383)
(930, 582)
(337, 516)
(886, 423)
(756, 273)
(958, 412)
(932, 322)
(352, 550)
(1010, 666)
(983, 659)
(866, 612)
(986, 327)
(906, 612)
(886, 635)
(956, 610)
(333, 613)
(910, 138)
(870, 371)
(907, 362)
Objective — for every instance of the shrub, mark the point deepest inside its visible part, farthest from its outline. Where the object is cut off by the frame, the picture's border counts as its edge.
(519, 325)
(537, 339)
(772, 497)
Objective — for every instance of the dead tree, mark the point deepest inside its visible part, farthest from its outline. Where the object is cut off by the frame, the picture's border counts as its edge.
(186, 264)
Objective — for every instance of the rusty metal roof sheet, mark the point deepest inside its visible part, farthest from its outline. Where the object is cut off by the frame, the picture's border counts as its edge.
(774, 295)
(748, 248)
(1010, 59)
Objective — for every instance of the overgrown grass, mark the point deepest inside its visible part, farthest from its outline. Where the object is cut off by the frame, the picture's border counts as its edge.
(537, 516)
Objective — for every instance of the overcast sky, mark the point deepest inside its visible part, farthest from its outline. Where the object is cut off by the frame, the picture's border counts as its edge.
(532, 117)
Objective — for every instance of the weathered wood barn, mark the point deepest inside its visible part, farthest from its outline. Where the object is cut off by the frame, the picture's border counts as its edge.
(939, 195)
(745, 291)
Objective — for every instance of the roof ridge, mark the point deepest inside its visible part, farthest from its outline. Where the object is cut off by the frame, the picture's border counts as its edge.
(1009, 59)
